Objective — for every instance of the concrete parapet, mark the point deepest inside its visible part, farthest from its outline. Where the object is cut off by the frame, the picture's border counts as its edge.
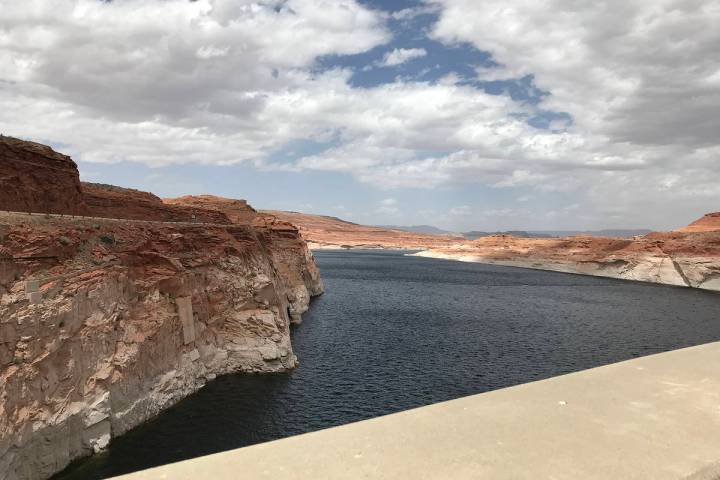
(656, 417)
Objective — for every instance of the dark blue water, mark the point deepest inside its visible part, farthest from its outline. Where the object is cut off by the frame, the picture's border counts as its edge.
(395, 332)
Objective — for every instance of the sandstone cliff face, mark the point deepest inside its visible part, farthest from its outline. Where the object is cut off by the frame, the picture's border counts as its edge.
(237, 211)
(683, 259)
(105, 322)
(35, 178)
(708, 223)
(109, 201)
(289, 251)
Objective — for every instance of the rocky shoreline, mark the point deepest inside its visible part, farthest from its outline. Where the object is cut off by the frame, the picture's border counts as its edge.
(672, 258)
(106, 322)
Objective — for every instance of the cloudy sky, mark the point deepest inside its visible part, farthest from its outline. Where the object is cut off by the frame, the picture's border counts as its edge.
(464, 114)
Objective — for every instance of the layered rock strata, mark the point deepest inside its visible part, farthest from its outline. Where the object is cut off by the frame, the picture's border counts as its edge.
(708, 223)
(324, 232)
(35, 178)
(109, 201)
(289, 251)
(106, 322)
(674, 258)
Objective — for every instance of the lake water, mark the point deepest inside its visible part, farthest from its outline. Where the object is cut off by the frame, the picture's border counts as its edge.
(395, 332)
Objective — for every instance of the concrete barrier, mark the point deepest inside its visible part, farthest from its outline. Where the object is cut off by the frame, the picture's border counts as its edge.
(655, 417)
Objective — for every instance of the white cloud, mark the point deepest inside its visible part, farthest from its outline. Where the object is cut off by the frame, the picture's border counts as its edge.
(225, 81)
(460, 211)
(399, 56)
(388, 206)
(638, 79)
(410, 13)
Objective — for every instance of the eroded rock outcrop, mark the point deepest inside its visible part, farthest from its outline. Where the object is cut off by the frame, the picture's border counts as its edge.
(708, 223)
(104, 323)
(35, 178)
(289, 251)
(109, 201)
(237, 211)
(673, 258)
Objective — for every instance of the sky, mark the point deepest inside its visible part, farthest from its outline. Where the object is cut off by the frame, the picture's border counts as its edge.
(463, 114)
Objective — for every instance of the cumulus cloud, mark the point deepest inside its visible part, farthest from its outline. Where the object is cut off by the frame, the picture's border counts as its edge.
(167, 81)
(388, 206)
(226, 81)
(638, 79)
(460, 211)
(399, 56)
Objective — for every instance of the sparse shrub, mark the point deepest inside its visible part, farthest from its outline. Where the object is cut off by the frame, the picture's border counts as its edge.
(107, 239)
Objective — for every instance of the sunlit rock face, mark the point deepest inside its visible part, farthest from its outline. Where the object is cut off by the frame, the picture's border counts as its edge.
(104, 322)
(708, 223)
(35, 178)
(673, 258)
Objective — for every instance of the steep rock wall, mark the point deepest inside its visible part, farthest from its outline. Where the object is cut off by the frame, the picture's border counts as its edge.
(35, 178)
(109, 201)
(237, 211)
(289, 251)
(103, 324)
(106, 322)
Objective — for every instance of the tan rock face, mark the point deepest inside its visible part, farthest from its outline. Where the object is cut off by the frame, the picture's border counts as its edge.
(35, 178)
(104, 323)
(685, 259)
(708, 223)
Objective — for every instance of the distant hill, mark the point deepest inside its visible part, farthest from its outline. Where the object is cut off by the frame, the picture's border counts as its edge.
(515, 233)
(620, 233)
(427, 229)
(475, 234)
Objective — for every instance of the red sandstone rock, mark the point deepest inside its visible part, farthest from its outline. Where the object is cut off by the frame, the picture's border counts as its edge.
(330, 232)
(109, 201)
(106, 322)
(35, 178)
(708, 223)
(238, 211)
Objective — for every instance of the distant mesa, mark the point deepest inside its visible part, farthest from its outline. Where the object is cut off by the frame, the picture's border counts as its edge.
(475, 234)
(708, 223)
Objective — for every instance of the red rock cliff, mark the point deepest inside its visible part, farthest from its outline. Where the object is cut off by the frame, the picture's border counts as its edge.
(106, 322)
(708, 223)
(35, 178)
(109, 201)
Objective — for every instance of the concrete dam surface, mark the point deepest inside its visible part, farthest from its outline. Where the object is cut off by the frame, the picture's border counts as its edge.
(393, 333)
(656, 417)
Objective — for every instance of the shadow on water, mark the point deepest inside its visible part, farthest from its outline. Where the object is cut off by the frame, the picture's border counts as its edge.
(395, 332)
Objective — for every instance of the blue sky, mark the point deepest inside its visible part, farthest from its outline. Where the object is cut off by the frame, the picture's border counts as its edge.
(466, 115)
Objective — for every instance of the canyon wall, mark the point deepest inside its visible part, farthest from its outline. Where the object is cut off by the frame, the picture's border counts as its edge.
(673, 258)
(109, 201)
(104, 322)
(35, 178)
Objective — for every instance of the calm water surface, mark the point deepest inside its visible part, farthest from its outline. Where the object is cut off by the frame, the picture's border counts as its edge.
(395, 332)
